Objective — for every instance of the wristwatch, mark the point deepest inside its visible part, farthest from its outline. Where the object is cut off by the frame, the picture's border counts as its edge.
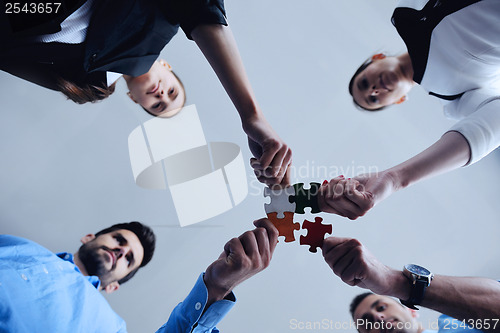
(420, 278)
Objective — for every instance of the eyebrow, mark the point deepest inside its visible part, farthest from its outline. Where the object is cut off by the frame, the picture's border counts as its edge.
(358, 84)
(123, 241)
(375, 304)
(132, 259)
(119, 237)
(165, 105)
(153, 110)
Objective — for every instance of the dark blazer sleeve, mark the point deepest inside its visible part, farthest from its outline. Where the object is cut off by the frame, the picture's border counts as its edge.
(191, 13)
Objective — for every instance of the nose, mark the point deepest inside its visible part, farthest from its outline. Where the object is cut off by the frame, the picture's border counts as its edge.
(375, 91)
(159, 93)
(119, 252)
(379, 316)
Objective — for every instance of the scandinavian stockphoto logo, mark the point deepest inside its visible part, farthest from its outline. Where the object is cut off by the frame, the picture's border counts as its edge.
(355, 325)
(311, 170)
(173, 153)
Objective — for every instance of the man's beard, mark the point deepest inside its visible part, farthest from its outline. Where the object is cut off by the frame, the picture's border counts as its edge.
(95, 262)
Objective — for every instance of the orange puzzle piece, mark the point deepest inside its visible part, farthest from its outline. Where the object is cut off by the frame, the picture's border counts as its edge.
(286, 227)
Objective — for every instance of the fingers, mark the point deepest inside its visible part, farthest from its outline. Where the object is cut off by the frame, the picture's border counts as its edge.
(253, 249)
(274, 163)
(330, 244)
(263, 246)
(325, 194)
(233, 247)
(333, 198)
(345, 258)
(271, 232)
(249, 243)
(282, 167)
(255, 147)
(260, 174)
(363, 199)
(273, 153)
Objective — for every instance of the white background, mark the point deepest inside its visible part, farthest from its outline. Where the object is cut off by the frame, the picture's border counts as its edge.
(65, 169)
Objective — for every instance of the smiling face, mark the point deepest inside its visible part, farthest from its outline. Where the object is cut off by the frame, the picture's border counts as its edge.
(111, 256)
(158, 91)
(375, 309)
(384, 82)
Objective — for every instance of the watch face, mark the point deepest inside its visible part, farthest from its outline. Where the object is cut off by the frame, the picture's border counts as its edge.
(418, 270)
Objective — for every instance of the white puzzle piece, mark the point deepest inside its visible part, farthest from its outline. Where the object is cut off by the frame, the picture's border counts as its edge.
(279, 201)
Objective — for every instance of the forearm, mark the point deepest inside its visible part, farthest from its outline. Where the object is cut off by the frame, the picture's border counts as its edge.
(450, 152)
(463, 298)
(219, 48)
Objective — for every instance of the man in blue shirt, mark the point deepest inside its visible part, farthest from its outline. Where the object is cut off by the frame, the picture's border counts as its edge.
(473, 301)
(45, 292)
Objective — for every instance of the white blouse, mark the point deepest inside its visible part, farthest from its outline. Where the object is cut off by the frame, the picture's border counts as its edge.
(464, 57)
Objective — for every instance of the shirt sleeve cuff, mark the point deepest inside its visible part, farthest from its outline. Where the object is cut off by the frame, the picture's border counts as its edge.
(188, 313)
(216, 312)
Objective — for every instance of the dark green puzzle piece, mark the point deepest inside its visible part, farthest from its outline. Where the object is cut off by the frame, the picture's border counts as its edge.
(305, 198)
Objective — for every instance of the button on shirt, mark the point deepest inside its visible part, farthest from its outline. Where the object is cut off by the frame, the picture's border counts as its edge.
(44, 292)
(188, 314)
(41, 292)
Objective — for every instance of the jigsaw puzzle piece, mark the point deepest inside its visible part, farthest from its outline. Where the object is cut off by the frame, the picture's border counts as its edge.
(306, 198)
(315, 233)
(286, 227)
(279, 201)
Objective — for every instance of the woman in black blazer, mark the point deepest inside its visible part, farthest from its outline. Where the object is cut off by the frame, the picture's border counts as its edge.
(126, 37)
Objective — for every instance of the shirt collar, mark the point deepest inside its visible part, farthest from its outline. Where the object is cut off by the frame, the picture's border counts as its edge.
(94, 280)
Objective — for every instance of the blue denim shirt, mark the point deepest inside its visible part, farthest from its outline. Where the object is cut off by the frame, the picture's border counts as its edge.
(44, 292)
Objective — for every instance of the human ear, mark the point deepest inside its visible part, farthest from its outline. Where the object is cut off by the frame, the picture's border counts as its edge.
(87, 238)
(401, 100)
(166, 64)
(131, 97)
(378, 56)
(112, 287)
(414, 313)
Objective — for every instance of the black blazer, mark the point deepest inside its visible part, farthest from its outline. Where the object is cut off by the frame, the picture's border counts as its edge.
(124, 36)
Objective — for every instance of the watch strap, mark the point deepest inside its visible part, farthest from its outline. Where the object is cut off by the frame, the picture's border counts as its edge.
(417, 292)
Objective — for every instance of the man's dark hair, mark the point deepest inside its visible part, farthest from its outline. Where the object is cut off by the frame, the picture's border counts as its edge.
(355, 302)
(361, 68)
(146, 237)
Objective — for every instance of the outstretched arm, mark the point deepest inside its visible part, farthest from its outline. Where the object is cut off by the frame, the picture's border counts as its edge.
(219, 47)
(450, 152)
(212, 298)
(242, 258)
(469, 298)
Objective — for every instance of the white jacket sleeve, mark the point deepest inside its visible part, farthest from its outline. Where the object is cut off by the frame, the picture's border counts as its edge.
(479, 114)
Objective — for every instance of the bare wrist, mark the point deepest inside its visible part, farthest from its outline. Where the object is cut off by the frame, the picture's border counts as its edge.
(401, 287)
(250, 115)
(215, 293)
(398, 178)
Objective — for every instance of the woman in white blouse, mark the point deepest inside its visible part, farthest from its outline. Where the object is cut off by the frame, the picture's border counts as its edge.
(454, 54)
